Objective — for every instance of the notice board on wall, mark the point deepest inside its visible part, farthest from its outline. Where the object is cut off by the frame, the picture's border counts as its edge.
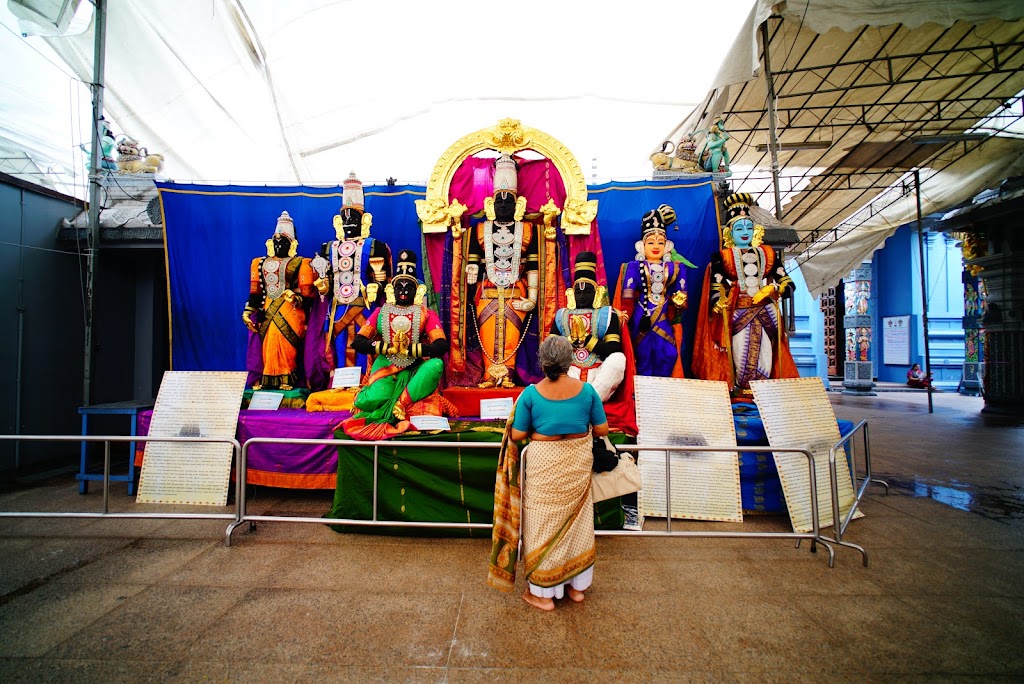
(896, 340)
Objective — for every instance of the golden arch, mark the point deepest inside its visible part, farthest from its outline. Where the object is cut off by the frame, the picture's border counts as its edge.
(507, 137)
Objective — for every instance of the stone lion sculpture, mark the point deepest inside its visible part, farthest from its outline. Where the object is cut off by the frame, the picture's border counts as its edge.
(684, 160)
(133, 158)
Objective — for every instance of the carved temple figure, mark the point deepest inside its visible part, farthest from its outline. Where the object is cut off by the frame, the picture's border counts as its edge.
(279, 285)
(498, 238)
(502, 268)
(108, 148)
(714, 156)
(593, 328)
(408, 341)
(683, 160)
(740, 333)
(351, 272)
(133, 158)
(652, 294)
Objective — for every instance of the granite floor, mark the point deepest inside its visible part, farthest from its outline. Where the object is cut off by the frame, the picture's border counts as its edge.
(85, 600)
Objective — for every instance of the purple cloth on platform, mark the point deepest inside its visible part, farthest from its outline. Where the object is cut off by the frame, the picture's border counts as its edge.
(285, 424)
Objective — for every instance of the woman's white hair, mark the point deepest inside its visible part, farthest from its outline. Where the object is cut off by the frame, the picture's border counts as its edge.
(555, 355)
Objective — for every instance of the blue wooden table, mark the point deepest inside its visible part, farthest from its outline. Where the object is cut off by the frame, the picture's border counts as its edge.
(126, 408)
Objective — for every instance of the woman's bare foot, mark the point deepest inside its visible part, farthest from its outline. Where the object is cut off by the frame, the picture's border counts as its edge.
(538, 602)
(575, 594)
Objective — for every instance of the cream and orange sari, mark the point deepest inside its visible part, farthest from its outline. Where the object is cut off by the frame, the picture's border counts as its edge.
(554, 510)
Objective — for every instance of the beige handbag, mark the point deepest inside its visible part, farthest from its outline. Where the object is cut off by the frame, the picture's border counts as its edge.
(622, 479)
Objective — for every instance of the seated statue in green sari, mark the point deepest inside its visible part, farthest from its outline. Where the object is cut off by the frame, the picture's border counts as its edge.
(408, 341)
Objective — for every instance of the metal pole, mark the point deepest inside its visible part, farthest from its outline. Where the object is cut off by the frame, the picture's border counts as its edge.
(773, 136)
(788, 315)
(924, 289)
(19, 373)
(95, 194)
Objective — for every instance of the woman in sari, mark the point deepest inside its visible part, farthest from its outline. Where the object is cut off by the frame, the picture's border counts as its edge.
(558, 415)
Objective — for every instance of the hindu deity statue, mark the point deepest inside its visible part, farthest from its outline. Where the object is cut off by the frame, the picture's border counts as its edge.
(740, 333)
(108, 147)
(507, 284)
(134, 158)
(351, 272)
(652, 294)
(714, 156)
(593, 327)
(408, 341)
(280, 285)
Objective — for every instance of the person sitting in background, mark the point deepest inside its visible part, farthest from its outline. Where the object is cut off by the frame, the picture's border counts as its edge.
(918, 378)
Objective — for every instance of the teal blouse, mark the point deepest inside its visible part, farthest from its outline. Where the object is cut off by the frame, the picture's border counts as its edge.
(570, 416)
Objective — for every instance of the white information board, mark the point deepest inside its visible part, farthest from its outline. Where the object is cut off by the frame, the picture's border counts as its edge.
(496, 408)
(796, 413)
(896, 340)
(265, 400)
(349, 376)
(705, 484)
(192, 404)
(426, 423)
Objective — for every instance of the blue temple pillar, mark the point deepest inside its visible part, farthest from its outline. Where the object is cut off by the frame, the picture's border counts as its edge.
(858, 375)
(974, 333)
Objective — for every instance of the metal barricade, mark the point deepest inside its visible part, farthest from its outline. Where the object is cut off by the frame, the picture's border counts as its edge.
(107, 440)
(840, 526)
(814, 536)
(243, 472)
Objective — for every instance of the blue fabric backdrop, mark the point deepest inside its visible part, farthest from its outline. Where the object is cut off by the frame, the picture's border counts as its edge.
(212, 233)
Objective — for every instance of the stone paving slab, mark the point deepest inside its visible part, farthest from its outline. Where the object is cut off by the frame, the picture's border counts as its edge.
(165, 600)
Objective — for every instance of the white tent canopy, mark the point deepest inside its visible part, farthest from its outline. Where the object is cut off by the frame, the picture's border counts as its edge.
(258, 91)
(858, 85)
(305, 91)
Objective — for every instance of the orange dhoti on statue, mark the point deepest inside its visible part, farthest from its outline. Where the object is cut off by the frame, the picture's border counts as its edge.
(499, 324)
(282, 332)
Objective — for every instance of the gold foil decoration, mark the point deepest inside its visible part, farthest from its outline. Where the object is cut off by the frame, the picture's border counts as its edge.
(550, 211)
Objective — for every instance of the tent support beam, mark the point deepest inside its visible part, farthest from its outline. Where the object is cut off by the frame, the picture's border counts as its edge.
(773, 134)
(924, 288)
(788, 313)
(95, 194)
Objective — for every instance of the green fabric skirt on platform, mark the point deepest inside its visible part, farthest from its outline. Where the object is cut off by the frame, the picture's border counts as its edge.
(425, 484)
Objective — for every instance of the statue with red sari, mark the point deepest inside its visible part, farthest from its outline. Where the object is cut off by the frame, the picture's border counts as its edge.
(740, 333)
(280, 285)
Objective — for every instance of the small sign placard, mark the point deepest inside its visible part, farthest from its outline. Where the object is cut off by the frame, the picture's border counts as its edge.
(265, 401)
(496, 408)
(430, 423)
(346, 377)
(896, 340)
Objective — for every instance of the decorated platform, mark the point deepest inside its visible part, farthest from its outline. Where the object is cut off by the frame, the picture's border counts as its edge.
(433, 485)
(300, 466)
(432, 300)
